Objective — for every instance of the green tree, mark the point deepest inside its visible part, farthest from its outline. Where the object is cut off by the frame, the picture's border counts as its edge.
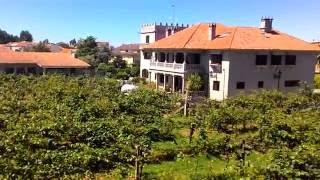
(40, 47)
(26, 36)
(118, 62)
(194, 83)
(87, 50)
(6, 38)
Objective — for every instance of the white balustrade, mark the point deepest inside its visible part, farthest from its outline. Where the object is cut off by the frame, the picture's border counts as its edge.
(175, 67)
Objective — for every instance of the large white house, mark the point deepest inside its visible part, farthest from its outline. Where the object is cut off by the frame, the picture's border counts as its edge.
(229, 58)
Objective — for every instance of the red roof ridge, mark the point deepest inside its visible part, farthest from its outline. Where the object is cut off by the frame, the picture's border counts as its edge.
(185, 44)
(234, 33)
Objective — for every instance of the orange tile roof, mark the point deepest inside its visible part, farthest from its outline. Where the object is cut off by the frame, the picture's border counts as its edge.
(231, 38)
(68, 50)
(44, 60)
(4, 48)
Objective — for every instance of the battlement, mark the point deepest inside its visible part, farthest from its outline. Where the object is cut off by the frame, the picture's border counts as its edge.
(164, 25)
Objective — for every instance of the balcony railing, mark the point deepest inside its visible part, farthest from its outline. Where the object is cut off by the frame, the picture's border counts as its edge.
(176, 67)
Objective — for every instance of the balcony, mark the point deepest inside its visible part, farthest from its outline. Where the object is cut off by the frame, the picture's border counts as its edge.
(174, 67)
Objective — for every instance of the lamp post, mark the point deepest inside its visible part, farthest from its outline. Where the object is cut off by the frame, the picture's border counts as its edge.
(278, 77)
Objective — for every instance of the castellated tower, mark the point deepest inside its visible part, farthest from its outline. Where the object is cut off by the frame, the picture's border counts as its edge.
(150, 33)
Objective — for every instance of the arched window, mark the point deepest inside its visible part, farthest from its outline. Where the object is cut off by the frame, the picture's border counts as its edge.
(147, 39)
(145, 73)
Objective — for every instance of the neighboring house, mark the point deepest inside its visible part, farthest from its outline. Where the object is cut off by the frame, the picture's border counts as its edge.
(41, 63)
(101, 44)
(19, 46)
(230, 59)
(129, 52)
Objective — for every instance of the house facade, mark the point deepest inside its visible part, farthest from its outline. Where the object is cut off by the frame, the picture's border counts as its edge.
(129, 53)
(230, 59)
(41, 63)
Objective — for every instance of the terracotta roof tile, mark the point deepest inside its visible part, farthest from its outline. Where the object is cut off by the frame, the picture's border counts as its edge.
(4, 48)
(45, 60)
(231, 37)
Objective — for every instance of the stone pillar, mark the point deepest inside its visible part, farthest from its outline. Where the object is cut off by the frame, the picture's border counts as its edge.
(183, 84)
(184, 58)
(164, 81)
(157, 79)
(173, 84)
(167, 57)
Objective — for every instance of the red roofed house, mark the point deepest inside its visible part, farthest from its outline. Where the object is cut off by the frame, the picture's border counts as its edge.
(19, 46)
(229, 58)
(41, 63)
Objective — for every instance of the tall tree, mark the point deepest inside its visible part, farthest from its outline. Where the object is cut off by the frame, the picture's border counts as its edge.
(26, 36)
(73, 42)
(6, 38)
(89, 51)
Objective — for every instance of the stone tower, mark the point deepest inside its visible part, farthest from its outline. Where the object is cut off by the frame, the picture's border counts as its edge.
(150, 33)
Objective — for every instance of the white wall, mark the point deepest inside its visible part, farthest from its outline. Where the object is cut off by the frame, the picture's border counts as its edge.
(243, 68)
(222, 77)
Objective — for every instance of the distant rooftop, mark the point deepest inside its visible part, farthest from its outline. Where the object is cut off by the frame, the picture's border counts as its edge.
(44, 60)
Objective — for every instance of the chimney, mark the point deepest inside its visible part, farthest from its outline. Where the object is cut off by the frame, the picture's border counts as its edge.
(212, 31)
(266, 24)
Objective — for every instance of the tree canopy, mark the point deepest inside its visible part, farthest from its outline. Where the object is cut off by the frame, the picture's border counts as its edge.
(26, 36)
(88, 50)
(40, 47)
(6, 38)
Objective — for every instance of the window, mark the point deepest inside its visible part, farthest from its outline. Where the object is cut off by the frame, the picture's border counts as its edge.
(169, 32)
(216, 59)
(147, 55)
(161, 78)
(147, 39)
(162, 57)
(291, 83)
(260, 84)
(240, 85)
(9, 70)
(261, 59)
(290, 60)
(276, 60)
(194, 59)
(20, 70)
(216, 85)
(32, 70)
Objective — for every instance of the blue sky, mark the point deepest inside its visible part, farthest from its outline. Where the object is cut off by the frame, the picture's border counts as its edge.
(119, 21)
